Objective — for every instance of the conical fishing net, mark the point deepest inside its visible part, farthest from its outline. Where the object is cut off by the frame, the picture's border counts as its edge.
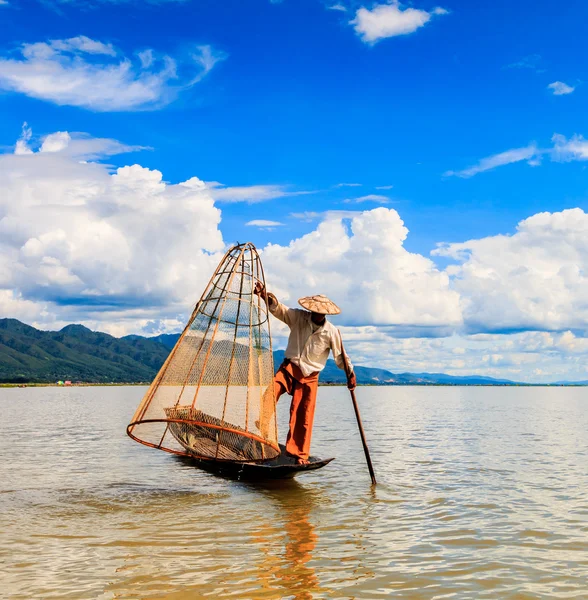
(214, 397)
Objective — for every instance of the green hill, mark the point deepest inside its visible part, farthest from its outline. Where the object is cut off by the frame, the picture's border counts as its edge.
(76, 353)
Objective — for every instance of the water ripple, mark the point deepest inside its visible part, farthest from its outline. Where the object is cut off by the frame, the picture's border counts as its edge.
(481, 494)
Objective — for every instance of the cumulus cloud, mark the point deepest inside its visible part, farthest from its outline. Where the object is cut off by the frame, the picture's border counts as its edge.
(366, 269)
(14, 306)
(534, 342)
(559, 88)
(535, 279)
(390, 20)
(124, 251)
(91, 74)
(527, 357)
(81, 243)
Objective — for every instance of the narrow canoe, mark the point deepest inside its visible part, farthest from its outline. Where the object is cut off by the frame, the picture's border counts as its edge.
(282, 467)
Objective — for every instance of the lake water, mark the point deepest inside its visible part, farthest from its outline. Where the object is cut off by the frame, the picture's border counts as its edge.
(482, 493)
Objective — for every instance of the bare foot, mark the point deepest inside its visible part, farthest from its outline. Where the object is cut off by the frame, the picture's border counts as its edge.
(302, 461)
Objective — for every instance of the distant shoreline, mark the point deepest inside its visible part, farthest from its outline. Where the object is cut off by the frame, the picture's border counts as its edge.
(77, 355)
(42, 385)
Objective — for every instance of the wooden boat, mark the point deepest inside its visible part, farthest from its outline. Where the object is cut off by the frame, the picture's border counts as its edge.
(283, 466)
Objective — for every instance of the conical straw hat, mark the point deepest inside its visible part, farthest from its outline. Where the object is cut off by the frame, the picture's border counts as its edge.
(319, 304)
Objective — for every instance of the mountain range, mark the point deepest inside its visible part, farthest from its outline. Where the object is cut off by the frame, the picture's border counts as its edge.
(76, 353)
(30, 355)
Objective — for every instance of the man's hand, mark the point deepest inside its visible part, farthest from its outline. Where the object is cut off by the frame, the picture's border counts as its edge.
(351, 381)
(260, 290)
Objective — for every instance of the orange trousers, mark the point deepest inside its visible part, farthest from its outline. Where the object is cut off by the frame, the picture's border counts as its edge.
(289, 379)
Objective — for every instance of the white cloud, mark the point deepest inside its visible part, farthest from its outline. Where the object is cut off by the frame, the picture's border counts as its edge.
(541, 342)
(528, 62)
(527, 356)
(339, 185)
(389, 20)
(562, 150)
(147, 58)
(567, 342)
(338, 7)
(79, 146)
(14, 306)
(384, 187)
(379, 199)
(536, 279)
(126, 252)
(90, 74)
(307, 215)
(4, 2)
(263, 223)
(250, 193)
(56, 142)
(80, 43)
(22, 143)
(529, 153)
(366, 270)
(560, 88)
(82, 244)
(207, 58)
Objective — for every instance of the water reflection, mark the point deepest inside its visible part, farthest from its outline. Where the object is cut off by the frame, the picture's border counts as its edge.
(287, 565)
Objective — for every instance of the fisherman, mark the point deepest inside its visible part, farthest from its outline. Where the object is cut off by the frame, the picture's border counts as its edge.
(311, 338)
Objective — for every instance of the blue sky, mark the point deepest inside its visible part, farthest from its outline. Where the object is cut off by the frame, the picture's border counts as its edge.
(300, 100)
(463, 118)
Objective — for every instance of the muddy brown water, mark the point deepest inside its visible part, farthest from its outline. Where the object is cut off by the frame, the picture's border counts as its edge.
(483, 493)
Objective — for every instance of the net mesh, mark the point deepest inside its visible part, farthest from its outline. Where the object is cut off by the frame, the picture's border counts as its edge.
(214, 396)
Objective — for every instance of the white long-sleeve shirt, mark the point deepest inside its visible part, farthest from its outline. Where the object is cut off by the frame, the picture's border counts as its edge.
(309, 344)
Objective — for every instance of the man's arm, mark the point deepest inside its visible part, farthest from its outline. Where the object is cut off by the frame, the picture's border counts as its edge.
(342, 360)
(281, 312)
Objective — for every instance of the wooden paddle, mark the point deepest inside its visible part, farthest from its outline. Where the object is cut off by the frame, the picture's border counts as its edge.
(356, 408)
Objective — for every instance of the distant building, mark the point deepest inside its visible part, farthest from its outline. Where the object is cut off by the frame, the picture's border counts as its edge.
(67, 383)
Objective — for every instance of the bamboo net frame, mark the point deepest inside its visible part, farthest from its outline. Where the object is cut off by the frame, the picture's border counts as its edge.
(214, 396)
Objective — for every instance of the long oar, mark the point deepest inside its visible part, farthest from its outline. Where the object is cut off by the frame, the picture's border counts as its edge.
(359, 424)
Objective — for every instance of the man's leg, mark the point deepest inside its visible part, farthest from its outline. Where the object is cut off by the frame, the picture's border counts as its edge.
(301, 419)
(279, 390)
(270, 399)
